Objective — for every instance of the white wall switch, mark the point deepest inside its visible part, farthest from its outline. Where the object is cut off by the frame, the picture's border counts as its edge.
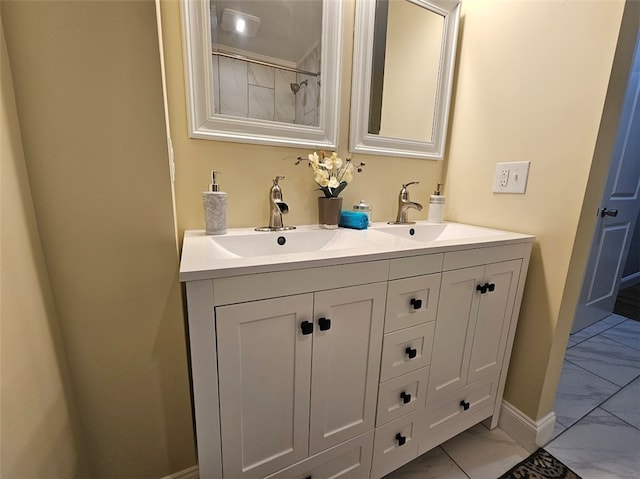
(511, 177)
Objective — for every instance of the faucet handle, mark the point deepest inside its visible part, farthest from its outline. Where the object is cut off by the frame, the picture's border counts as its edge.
(411, 183)
(276, 179)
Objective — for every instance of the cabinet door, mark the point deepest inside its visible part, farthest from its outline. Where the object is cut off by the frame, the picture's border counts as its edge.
(264, 364)
(457, 310)
(346, 363)
(496, 306)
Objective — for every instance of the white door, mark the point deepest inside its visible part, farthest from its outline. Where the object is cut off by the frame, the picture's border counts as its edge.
(617, 214)
(347, 345)
(264, 368)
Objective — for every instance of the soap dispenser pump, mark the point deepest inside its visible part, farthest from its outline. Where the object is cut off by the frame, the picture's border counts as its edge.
(436, 206)
(214, 202)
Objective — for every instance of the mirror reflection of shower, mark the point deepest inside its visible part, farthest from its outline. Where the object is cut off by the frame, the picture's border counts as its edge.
(295, 87)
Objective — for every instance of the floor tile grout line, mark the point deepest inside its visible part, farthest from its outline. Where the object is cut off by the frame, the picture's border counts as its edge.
(623, 344)
(598, 376)
(600, 405)
(454, 461)
(618, 417)
(597, 334)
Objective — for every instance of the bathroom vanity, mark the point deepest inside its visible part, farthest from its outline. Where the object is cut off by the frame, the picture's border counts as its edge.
(344, 353)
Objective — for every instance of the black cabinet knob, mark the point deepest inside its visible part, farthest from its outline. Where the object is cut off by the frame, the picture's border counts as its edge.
(401, 439)
(306, 327)
(411, 352)
(465, 404)
(483, 288)
(324, 324)
(406, 398)
(416, 303)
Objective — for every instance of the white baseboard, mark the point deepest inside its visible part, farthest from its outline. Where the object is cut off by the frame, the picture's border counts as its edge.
(528, 433)
(189, 473)
(630, 280)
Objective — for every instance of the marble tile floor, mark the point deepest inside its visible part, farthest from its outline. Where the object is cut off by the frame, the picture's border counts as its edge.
(597, 409)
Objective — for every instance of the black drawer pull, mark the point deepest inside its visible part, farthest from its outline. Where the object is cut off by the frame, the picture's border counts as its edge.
(411, 352)
(416, 303)
(306, 327)
(324, 324)
(465, 404)
(406, 398)
(401, 439)
(491, 287)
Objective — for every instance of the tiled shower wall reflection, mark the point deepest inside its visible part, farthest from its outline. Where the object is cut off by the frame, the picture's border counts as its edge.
(250, 90)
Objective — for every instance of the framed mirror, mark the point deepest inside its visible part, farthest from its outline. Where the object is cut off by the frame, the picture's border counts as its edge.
(263, 71)
(404, 55)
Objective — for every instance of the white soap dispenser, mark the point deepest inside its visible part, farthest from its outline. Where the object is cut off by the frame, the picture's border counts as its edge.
(436, 206)
(214, 202)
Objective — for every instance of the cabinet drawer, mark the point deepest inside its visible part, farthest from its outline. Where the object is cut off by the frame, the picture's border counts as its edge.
(445, 414)
(396, 443)
(402, 395)
(349, 460)
(412, 301)
(486, 255)
(406, 350)
(415, 265)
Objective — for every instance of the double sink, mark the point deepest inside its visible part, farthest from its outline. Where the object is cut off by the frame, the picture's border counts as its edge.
(246, 251)
(244, 243)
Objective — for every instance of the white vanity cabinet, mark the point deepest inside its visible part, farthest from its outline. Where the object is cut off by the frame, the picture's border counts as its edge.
(347, 367)
(476, 315)
(300, 375)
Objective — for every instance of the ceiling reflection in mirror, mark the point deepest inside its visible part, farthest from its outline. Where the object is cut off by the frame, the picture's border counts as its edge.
(406, 62)
(266, 59)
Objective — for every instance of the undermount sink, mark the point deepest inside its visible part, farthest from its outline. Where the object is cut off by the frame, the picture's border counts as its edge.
(248, 244)
(428, 232)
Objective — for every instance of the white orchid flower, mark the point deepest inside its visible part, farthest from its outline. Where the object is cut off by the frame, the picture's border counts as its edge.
(322, 178)
(333, 182)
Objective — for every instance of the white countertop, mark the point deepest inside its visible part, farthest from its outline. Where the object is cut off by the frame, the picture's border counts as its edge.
(203, 258)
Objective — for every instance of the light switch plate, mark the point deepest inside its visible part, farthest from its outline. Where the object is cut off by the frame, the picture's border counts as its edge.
(511, 177)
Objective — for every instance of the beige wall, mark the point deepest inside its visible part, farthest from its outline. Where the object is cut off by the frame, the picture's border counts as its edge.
(531, 84)
(40, 425)
(88, 92)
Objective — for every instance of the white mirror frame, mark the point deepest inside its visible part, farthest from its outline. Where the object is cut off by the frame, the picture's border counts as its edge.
(360, 140)
(203, 123)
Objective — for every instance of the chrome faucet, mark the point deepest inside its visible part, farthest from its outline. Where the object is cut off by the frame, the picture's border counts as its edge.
(404, 205)
(277, 208)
